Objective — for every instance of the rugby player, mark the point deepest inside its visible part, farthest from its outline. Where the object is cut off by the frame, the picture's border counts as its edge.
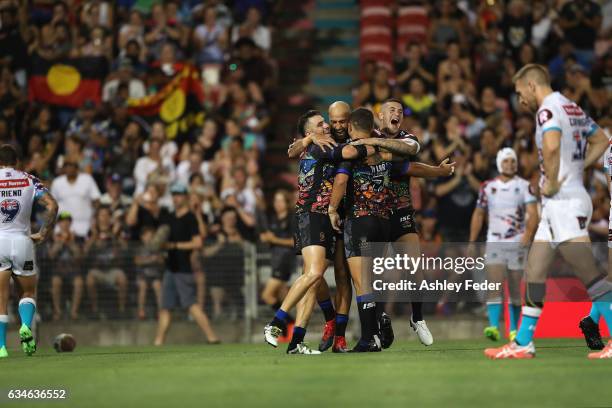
(512, 215)
(18, 193)
(563, 133)
(590, 324)
(334, 331)
(366, 185)
(403, 223)
(314, 237)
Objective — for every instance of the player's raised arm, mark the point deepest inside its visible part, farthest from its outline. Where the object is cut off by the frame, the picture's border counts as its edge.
(423, 170)
(50, 217)
(551, 148)
(298, 146)
(596, 147)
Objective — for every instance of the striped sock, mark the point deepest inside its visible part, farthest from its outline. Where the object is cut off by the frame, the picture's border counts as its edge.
(528, 325)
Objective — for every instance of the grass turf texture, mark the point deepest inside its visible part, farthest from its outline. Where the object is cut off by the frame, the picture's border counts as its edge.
(449, 373)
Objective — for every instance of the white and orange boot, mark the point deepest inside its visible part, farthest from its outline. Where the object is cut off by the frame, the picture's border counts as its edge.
(511, 350)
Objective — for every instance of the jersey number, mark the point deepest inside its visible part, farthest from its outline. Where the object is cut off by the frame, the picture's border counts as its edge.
(580, 151)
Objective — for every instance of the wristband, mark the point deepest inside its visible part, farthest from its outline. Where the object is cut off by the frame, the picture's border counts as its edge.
(362, 151)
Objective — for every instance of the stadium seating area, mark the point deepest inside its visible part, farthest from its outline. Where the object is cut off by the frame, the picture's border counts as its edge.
(134, 95)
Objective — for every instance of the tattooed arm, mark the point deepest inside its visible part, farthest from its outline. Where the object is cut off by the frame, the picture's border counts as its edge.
(47, 201)
(400, 147)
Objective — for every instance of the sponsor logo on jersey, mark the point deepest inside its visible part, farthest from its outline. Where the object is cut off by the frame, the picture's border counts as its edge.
(573, 110)
(9, 208)
(544, 116)
(582, 222)
(14, 183)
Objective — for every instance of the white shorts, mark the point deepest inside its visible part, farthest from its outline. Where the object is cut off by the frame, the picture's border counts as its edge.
(565, 219)
(509, 254)
(17, 254)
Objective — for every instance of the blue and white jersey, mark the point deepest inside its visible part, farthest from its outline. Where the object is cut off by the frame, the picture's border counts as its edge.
(561, 114)
(18, 191)
(505, 204)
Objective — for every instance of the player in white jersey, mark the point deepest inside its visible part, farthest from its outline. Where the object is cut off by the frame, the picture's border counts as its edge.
(510, 208)
(563, 133)
(18, 192)
(590, 324)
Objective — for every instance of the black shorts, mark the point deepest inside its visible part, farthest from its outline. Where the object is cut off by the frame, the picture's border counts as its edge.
(358, 232)
(283, 265)
(403, 221)
(314, 229)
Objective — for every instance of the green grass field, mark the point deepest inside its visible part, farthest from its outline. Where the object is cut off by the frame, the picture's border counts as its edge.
(450, 373)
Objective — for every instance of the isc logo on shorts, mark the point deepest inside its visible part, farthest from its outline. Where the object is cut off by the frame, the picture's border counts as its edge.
(406, 221)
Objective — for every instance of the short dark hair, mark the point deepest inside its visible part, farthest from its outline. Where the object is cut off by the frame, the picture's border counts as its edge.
(362, 119)
(301, 126)
(8, 155)
(393, 100)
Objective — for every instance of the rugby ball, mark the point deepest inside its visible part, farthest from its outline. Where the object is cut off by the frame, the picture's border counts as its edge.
(64, 342)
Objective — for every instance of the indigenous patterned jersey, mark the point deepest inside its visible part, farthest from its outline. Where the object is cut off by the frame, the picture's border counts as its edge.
(18, 191)
(367, 193)
(317, 169)
(400, 197)
(505, 205)
(561, 114)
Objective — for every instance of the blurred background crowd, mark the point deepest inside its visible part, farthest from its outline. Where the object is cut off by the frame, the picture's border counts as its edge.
(110, 156)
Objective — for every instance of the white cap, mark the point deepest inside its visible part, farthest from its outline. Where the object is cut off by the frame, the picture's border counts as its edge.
(503, 154)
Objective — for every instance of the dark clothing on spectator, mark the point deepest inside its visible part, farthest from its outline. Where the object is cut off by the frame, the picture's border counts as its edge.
(182, 229)
(147, 219)
(581, 36)
(517, 31)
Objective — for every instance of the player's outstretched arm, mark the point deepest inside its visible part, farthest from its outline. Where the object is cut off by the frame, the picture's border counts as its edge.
(50, 217)
(403, 147)
(596, 147)
(423, 170)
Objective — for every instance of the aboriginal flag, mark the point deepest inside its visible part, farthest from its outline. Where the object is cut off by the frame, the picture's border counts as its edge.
(178, 104)
(66, 82)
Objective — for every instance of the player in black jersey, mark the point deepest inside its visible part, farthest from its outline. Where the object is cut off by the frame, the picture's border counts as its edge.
(334, 330)
(314, 237)
(366, 184)
(402, 219)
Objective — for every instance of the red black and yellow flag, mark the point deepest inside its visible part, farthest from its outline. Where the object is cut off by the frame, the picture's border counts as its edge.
(66, 82)
(178, 104)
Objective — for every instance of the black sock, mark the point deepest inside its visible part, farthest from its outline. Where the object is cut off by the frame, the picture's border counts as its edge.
(417, 311)
(297, 337)
(367, 317)
(341, 322)
(380, 309)
(288, 318)
(280, 319)
(328, 309)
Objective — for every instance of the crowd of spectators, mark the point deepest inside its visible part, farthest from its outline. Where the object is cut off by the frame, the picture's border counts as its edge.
(454, 78)
(110, 170)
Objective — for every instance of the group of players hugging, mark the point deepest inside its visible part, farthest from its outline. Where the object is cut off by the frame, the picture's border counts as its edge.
(354, 189)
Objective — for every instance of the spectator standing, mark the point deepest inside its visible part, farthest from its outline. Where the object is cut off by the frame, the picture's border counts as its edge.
(179, 286)
(149, 264)
(78, 194)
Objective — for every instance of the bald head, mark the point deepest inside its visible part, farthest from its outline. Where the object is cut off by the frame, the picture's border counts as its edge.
(339, 112)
